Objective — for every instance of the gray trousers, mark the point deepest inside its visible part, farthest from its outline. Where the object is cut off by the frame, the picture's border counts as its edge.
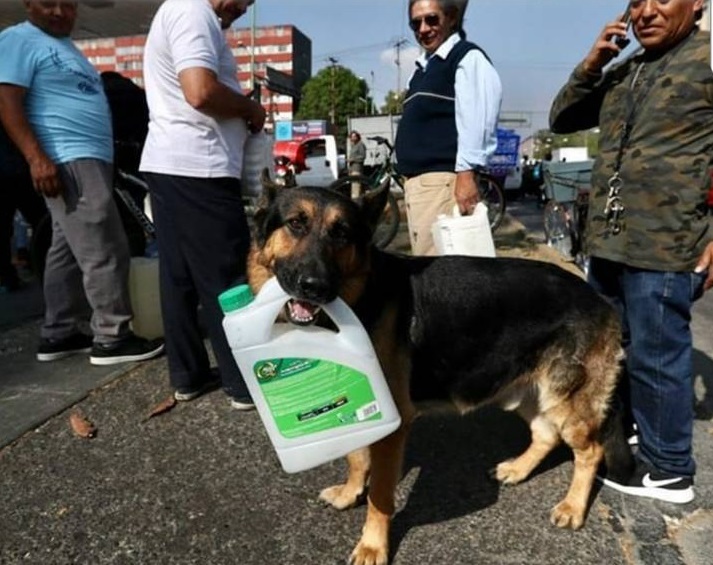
(88, 262)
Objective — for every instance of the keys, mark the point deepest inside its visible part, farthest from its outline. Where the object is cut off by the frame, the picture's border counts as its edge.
(614, 207)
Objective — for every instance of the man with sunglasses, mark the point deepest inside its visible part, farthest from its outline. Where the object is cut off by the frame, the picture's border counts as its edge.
(448, 126)
(193, 161)
(647, 230)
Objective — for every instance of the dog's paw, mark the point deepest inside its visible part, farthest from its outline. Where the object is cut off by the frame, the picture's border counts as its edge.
(508, 473)
(367, 555)
(564, 515)
(341, 497)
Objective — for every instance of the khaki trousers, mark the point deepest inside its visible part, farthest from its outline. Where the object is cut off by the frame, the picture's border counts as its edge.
(427, 196)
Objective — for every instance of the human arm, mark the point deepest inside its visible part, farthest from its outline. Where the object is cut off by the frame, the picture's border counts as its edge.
(198, 51)
(705, 264)
(576, 106)
(204, 92)
(478, 99)
(45, 175)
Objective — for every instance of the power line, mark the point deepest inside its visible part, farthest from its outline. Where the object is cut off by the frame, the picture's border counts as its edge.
(353, 50)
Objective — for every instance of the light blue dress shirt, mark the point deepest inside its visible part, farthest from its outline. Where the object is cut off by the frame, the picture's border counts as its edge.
(478, 99)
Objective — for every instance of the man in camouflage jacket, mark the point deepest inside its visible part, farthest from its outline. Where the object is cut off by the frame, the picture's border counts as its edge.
(647, 227)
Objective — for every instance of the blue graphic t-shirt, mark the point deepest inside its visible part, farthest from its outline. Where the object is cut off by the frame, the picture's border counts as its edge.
(65, 102)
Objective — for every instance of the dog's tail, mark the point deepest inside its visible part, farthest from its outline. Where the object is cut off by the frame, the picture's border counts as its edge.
(617, 452)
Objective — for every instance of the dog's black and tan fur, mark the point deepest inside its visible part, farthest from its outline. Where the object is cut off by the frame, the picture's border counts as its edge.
(523, 334)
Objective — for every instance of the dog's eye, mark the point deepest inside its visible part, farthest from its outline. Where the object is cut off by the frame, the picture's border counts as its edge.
(296, 225)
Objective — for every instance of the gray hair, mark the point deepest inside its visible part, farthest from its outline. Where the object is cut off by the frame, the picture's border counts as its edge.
(450, 6)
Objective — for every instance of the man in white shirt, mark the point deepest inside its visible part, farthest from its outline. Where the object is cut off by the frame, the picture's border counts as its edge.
(192, 160)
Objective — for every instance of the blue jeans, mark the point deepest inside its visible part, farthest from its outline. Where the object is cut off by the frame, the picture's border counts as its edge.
(655, 309)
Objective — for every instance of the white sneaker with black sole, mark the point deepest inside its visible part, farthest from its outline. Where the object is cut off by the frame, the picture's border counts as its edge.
(651, 483)
(129, 349)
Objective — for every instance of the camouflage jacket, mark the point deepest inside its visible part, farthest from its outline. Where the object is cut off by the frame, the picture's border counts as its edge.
(666, 164)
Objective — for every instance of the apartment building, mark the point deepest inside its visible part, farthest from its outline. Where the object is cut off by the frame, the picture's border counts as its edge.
(277, 58)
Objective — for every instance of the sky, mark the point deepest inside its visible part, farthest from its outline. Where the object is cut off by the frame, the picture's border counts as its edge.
(534, 44)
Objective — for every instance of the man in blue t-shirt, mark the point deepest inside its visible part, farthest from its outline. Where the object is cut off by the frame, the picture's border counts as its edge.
(53, 107)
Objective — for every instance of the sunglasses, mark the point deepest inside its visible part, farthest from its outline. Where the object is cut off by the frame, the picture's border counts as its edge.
(431, 20)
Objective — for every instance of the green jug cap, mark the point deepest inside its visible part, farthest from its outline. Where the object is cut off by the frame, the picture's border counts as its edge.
(235, 298)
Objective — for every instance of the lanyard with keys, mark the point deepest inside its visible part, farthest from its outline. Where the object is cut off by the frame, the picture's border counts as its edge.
(614, 207)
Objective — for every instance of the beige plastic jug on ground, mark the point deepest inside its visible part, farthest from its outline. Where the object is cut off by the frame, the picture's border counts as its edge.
(145, 297)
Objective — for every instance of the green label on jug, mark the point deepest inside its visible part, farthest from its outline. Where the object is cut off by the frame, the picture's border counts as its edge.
(306, 396)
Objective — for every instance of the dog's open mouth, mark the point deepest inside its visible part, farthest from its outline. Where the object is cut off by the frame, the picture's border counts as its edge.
(301, 312)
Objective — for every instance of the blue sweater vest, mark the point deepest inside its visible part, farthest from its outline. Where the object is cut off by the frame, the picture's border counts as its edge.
(427, 139)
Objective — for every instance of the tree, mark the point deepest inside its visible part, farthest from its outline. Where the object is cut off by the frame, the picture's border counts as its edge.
(393, 103)
(334, 94)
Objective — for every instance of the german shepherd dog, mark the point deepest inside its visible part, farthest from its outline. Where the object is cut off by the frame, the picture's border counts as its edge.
(523, 334)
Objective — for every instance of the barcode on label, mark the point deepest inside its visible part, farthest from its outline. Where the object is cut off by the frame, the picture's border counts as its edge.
(367, 411)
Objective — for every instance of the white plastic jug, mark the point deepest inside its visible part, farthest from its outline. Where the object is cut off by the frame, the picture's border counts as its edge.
(464, 235)
(320, 394)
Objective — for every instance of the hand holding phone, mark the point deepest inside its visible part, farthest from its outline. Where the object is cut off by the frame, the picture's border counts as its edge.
(623, 42)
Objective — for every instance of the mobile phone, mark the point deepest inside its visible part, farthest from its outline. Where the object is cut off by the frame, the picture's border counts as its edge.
(622, 42)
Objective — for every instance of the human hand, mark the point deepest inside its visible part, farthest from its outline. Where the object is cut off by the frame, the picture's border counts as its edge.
(256, 120)
(604, 49)
(45, 176)
(704, 264)
(466, 192)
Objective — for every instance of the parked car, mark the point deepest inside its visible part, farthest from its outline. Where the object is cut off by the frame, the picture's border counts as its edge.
(317, 160)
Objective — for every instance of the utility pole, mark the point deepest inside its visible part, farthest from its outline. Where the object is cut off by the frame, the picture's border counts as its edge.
(333, 111)
(257, 90)
(373, 103)
(398, 46)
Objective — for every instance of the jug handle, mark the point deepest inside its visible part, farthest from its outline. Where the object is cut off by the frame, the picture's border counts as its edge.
(351, 332)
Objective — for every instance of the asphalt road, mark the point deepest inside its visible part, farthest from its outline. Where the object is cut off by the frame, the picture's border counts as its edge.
(200, 484)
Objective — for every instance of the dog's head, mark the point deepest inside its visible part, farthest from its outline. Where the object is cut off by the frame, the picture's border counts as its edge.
(317, 243)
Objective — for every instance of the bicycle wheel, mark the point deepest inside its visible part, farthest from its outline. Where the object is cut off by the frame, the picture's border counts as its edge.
(134, 231)
(558, 228)
(492, 194)
(388, 225)
(579, 223)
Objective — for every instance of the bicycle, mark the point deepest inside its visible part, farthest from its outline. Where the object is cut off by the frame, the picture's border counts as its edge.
(491, 192)
(355, 186)
(567, 188)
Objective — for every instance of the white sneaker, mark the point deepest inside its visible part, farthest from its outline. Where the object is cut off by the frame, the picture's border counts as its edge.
(242, 403)
(650, 483)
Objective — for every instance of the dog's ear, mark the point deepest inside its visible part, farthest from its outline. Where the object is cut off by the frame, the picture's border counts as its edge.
(269, 192)
(269, 188)
(373, 203)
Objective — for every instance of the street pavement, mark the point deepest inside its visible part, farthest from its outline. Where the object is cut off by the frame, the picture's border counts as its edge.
(200, 484)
